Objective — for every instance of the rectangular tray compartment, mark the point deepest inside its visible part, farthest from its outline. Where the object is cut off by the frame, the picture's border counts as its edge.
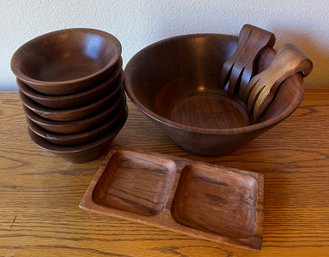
(198, 199)
(217, 202)
(137, 183)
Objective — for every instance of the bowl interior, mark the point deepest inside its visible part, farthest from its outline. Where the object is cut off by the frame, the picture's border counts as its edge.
(66, 55)
(77, 100)
(35, 95)
(176, 82)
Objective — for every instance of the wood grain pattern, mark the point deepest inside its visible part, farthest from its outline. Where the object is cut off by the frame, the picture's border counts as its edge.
(79, 99)
(175, 82)
(79, 138)
(66, 61)
(83, 152)
(40, 192)
(75, 127)
(262, 88)
(131, 183)
(240, 67)
(202, 200)
(74, 114)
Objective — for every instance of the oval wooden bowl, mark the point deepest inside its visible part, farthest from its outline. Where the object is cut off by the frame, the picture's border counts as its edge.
(66, 61)
(74, 127)
(73, 114)
(80, 138)
(81, 153)
(175, 82)
(79, 99)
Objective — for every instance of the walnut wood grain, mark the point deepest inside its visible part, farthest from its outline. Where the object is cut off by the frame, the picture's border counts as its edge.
(75, 127)
(262, 88)
(85, 152)
(66, 61)
(40, 192)
(175, 82)
(219, 202)
(241, 66)
(80, 138)
(74, 114)
(79, 99)
(203, 200)
(134, 184)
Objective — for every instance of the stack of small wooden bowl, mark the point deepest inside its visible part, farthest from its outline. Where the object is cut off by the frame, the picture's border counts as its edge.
(70, 82)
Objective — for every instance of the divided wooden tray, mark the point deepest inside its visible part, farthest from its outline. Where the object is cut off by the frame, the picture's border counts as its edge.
(194, 198)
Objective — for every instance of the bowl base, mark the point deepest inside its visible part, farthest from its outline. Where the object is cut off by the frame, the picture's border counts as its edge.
(210, 111)
(203, 106)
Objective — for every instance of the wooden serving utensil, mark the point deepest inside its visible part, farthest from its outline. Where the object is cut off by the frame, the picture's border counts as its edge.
(262, 87)
(239, 69)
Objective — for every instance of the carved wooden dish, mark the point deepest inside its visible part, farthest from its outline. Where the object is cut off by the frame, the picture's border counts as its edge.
(177, 83)
(79, 126)
(66, 61)
(83, 152)
(73, 114)
(79, 99)
(78, 138)
(198, 199)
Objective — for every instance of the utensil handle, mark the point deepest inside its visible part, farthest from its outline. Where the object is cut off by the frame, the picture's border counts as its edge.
(289, 60)
(239, 69)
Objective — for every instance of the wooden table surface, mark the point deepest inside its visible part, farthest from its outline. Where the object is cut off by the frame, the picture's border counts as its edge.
(40, 193)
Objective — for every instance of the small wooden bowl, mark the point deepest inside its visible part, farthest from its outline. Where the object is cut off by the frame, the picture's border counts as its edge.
(76, 113)
(175, 82)
(79, 99)
(66, 61)
(81, 153)
(81, 138)
(75, 127)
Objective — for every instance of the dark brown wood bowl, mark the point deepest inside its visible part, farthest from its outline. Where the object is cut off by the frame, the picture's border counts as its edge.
(76, 113)
(66, 61)
(79, 99)
(80, 138)
(81, 153)
(75, 127)
(175, 82)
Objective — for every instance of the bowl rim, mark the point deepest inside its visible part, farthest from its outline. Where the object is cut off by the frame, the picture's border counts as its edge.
(41, 110)
(295, 102)
(41, 121)
(63, 137)
(83, 147)
(29, 80)
(35, 95)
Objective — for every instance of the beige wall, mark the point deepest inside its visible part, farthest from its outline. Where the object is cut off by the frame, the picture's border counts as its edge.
(138, 23)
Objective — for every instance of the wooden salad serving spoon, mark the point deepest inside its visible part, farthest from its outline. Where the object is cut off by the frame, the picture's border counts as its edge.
(238, 72)
(239, 69)
(262, 87)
